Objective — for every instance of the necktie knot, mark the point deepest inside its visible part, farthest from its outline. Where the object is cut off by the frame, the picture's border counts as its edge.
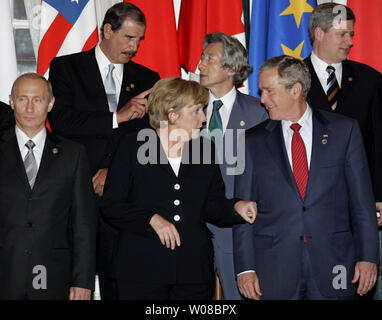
(111, 68)
(295, 127)
(330, 69)
(30, 144)
(217, 104)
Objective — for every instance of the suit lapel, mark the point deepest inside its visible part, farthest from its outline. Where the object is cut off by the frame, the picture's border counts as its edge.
(128, 87)
(11, 153)
(50, 153)
(348, 78)
(275, 143)
(320, 133)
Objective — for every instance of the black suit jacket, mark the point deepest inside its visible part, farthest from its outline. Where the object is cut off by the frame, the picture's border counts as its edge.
(6, 116)
(136, 190)
(81, 111)
(360, 98)
(53, 225)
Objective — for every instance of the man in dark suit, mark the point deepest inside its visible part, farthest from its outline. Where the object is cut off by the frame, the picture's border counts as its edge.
(48, 219)
(101, 94)
(315, 233)
(355, 89)
(223, 67)
(6, 116)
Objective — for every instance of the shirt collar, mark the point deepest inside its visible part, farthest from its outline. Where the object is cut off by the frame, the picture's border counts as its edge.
(38, 139)
(103, 63)
(304, 121)
(228, 99)
(320, 65)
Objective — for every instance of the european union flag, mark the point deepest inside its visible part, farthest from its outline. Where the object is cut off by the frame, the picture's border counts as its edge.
(278, 27)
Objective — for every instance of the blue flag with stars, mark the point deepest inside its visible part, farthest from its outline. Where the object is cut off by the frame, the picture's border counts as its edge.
(278, 27)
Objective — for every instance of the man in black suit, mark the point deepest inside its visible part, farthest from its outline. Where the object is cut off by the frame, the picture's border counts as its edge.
(48, 218)
(101, 94)
(343, 86)
(6, 116)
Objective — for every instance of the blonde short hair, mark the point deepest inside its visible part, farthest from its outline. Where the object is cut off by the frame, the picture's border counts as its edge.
(171, 95)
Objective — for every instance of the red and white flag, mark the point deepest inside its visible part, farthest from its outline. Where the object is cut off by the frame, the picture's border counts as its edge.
(68, 26)
(198, 17)
(8, 64)
(159, 49)
(367, 38)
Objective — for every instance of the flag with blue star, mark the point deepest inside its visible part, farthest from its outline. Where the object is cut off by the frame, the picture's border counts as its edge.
(278, 27)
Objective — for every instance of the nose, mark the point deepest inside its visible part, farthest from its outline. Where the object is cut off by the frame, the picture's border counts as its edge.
(30, 106)
(262, 97)
(349, 40)
(134, 44)
(203, 117)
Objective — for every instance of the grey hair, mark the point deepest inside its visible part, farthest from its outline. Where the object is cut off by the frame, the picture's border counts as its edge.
(290, 71)
(323, 16)
(234, 55)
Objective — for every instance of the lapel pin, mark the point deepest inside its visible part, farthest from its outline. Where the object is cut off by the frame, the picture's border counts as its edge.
(132, 86)
(324, 141)
(350, 79)
(242, 123)
(55, 150)
(324, 135)
(128, 89)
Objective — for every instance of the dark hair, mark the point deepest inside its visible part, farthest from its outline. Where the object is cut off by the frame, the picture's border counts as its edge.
(290, 71)
(234, 55)
(323, 16)
(117, 14)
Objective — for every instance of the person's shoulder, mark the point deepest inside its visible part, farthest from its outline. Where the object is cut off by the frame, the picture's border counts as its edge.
(141, 69)
(248, 99)
(259, 129)
(363, 69)
(70, 58)
(336, 120)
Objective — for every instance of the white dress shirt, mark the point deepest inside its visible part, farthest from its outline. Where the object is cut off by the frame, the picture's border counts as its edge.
(39, 141)
(103, 65)
(175, 164)
(320, 68)
(306, 132)
(225, 110)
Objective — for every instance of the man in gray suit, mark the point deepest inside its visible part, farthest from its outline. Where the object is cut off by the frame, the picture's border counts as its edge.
(223, 67)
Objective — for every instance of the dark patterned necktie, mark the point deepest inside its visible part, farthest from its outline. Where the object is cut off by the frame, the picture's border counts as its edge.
(299, 160)
(216, 120)
(332, 87)
(30, 163)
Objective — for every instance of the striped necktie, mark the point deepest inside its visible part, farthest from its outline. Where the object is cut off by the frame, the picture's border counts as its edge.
(30, 163)
(299, 160)
(332, 87)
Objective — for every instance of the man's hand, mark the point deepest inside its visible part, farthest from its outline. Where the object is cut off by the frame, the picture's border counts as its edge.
(79, 294)
(247, 210)
(366, 273)
(248, 284)
(166, 231)
(99, 181)
(137, 107)
(378, 207)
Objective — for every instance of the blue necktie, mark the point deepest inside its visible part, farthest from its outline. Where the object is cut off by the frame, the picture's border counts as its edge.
(111, 92)
(332, 87)
(215, 120)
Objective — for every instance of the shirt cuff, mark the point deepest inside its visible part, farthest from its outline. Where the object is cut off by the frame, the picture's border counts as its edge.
(115, 122)
(247, 271)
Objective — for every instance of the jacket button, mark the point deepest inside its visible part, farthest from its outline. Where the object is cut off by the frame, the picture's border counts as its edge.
(27, 252)
(177, 217)
(29, 224)
(304, 209)
(177, 202)
(177, 186)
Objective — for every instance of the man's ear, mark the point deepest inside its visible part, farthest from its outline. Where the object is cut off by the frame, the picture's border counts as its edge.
(297, 89)
(51, 103)
(318, 34)
(107, 30)
(11, 103)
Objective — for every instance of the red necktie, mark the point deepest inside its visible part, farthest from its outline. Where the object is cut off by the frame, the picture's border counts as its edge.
(299, 160)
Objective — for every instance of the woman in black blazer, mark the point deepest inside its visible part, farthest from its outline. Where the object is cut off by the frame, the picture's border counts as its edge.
(162, 187)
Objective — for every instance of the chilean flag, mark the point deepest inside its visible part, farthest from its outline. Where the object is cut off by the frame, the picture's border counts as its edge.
(67, 26)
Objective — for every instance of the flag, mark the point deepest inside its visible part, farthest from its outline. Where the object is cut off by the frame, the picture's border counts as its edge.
(198, 17)
(67, 26)
(278, 27)
(8, 64)
(159, 48)
(367, 38)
